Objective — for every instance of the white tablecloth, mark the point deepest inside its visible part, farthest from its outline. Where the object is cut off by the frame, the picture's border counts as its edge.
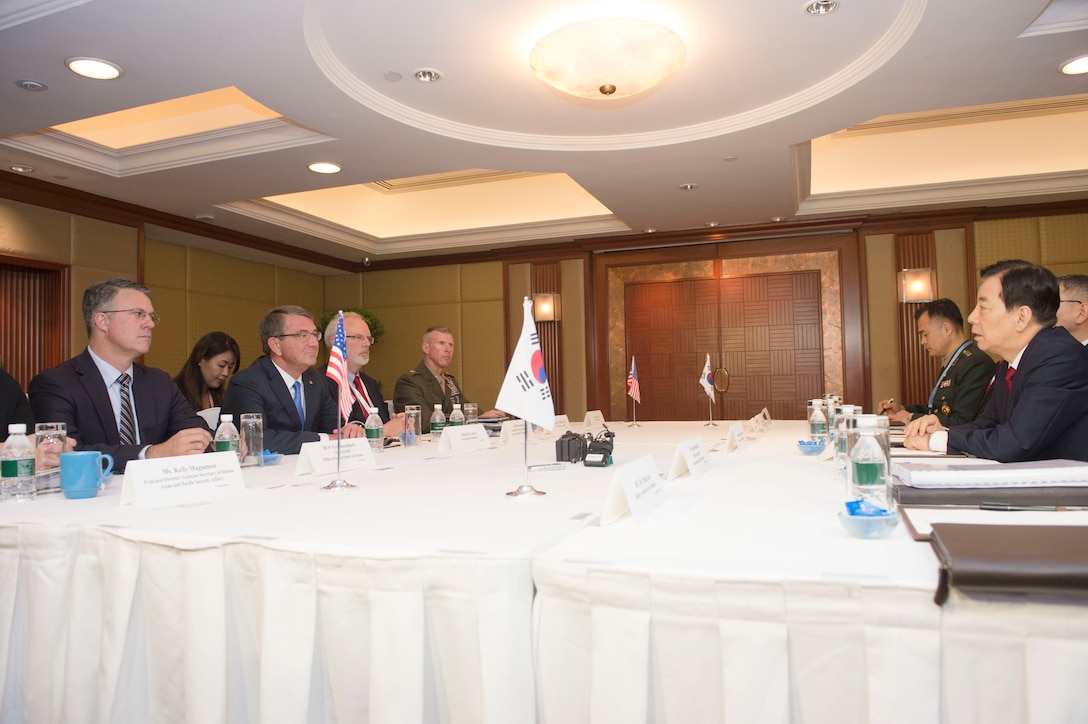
(407, 599)
(411, 599)
(741, 599)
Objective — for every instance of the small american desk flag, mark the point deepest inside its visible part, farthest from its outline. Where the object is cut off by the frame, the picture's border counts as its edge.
(337, 369)
(633, 390)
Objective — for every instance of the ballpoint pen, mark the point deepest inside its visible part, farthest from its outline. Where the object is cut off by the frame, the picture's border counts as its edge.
(1008, 507)
(886, 405)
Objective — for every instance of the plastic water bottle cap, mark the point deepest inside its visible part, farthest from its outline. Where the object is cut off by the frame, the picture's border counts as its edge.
(17, 428)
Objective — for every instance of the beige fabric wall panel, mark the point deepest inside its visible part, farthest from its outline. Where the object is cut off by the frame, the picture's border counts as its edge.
(301, 288)
(481, 282)
(519, 285)
(166, 265)
(952, 272)
(480, 347)
(170, 340)
(409, 287)
(344, 291)
(101, 245)
(1007, 239)
(1064, 242)
(883, 319)
(572, 287)
(211, 273)
(35, 233)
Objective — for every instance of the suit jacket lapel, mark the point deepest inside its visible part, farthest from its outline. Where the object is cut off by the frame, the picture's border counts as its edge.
(143, 398)
(312, 396)
(283, 395)
(95, 387)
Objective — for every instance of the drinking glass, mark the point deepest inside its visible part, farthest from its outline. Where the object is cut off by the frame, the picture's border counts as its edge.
(49, 441)
(251, 439)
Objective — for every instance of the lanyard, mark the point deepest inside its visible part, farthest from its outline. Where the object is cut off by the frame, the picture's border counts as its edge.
(951, 361)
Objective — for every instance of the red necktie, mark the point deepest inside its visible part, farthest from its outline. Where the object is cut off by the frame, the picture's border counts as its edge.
(362, 391)
(1009, 374)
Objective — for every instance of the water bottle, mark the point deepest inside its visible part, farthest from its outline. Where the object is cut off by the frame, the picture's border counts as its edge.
(438, 422)
(375, 434)
(870, 460)
(817, 421)
(17, 465)
(845, 412)
(226, 436)
(456, 417)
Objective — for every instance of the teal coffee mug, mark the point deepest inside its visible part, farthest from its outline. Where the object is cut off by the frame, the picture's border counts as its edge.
(82, 472)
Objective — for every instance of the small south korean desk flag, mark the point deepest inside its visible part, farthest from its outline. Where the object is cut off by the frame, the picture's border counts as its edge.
(707, 379)
(525, 392)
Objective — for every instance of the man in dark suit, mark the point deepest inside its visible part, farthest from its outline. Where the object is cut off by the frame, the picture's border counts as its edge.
(109, 402)
(1038, 408)
(364, 388)
(284, 386)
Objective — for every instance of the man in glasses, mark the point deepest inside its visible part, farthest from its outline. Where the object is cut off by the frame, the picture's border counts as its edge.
(285, 387)
(364, 388)
(109, 402)
(1073, 305)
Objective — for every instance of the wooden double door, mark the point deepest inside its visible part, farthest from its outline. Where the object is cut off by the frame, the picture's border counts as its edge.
(765, 329)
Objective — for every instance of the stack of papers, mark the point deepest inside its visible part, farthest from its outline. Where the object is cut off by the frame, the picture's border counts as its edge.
(990, 474)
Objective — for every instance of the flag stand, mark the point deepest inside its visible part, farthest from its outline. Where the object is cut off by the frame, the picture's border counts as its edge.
(525, 490)
(634, 415)
(338, 483)
(710, 410)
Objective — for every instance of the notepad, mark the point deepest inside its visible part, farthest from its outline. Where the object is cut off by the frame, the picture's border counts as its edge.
(990, 474)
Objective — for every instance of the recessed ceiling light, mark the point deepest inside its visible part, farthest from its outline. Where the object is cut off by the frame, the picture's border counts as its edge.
(711, 224)
(20, 168)
(324, 167)
(778, 218)
(821, 7)
(391, 76)
(1076, 66)
(427, 75)
(688, 187)
(205, 217)
(729, 159)
(31, 85)
(650, 230)
(95, 68)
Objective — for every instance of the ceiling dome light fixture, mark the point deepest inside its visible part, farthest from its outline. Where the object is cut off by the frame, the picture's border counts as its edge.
(20, 168)
(31, 85)
(324, 167)
(607, 58)
(688, 187)
(427, 75)
(1076, 66)
(821, 7)
(95, 68)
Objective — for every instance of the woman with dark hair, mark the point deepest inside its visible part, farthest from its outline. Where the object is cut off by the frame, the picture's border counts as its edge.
(212, 360)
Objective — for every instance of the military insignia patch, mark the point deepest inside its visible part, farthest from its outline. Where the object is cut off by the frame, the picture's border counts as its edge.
(946, 409)
(946, 383)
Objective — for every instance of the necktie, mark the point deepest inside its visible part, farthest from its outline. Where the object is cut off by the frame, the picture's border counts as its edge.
(365, 397)
(1009, 374)
(296, 390)
(128, 422)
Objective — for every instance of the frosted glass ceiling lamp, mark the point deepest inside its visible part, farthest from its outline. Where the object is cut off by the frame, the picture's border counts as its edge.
(1076, 66)
(95, 68)
(608, 57)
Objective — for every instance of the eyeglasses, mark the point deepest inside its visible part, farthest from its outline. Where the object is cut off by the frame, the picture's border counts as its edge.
(1071, 301)
(361, 338)
(300, 336)
(138, 314)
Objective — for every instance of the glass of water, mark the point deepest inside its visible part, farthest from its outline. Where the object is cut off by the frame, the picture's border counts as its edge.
(49, 442)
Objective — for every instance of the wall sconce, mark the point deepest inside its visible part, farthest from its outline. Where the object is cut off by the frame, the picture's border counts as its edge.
(547, 307)
(916, 285)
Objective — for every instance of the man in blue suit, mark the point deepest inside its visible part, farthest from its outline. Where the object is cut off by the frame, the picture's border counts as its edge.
(108, 401)
(1038, 409)
(284, 386)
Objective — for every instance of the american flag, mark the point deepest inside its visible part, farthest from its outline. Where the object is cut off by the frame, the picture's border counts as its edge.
(632, 383)
(337, 369)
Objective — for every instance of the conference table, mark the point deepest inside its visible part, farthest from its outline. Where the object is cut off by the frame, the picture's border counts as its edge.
(426, 594)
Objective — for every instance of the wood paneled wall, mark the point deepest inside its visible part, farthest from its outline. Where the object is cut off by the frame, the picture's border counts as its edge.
(917, 369)
(33, 325)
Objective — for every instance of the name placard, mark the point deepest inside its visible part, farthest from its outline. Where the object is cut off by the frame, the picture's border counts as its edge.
(635, 489)
(463, 437)
(319, 458)
(593, 422)
(512, 431)
(562, 425)
(181, 479)
(690, 457)
(738, 438)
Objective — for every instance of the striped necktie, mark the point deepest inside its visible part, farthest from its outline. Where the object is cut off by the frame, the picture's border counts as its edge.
(128, 419)
(365, 397)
